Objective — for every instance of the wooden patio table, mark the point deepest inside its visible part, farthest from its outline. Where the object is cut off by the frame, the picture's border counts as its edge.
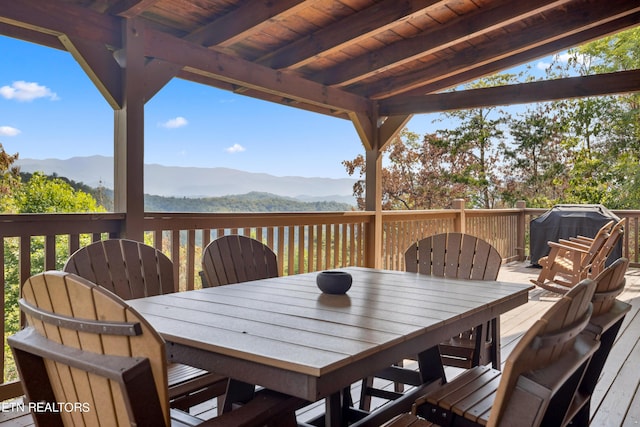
(284, 334)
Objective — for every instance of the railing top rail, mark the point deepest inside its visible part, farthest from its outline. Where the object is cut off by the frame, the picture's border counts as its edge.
(239, 220)
(492, 212)
(36, 217)
(51, 224)
(417, 215)
(315, 214)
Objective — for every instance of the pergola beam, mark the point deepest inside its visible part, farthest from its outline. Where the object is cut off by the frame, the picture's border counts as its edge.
(217, 65)
(99, 65)
(62, 20)
(541, 91)
(57, 19)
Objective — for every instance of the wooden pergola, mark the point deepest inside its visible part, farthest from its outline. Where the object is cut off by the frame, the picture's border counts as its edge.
(375, 63)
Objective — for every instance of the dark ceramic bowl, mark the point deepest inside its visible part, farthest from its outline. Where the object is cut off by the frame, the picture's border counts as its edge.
(334, 282)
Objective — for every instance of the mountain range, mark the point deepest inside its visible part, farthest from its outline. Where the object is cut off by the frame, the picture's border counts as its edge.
(177, 181)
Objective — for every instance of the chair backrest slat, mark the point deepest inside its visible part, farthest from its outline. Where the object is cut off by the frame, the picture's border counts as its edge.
(526, 362)
(599, 259)
(235, 259)
(109, 401)
(454, 255)
(128, 268)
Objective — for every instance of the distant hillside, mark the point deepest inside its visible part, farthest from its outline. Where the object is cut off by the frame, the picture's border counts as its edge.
(250, 202)
(170, 181)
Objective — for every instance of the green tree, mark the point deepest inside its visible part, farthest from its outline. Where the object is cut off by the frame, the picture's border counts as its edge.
(603, 133)
(414, 176)
(49, 195)
(473, 147)
(9, 180)
(535, 160)
(38, 195)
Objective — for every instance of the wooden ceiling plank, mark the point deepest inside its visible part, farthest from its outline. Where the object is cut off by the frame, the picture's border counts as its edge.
(351, 30)
(438, 39)
(130, 8)
(57, 18)
(475, 56)
(546, 49)
(248, 18)
(541, 91)
(244, 73)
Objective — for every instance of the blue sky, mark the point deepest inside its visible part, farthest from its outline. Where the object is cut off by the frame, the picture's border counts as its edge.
(50, 109)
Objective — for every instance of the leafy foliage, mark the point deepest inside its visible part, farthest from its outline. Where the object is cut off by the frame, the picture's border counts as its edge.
(584, 150)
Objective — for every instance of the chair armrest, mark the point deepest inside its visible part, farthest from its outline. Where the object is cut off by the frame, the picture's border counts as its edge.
(569, 247)
(575, 244)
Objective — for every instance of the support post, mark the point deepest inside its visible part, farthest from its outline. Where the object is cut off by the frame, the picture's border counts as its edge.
(373, 203)
(522, 223)
(385, 130)
(129, 134)
(460, 223)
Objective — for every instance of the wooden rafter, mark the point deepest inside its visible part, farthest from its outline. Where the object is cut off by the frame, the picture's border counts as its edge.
(236, 24)
(436, 40)
(365, 23)
(589, 34)
(493, 50)
(550, 90)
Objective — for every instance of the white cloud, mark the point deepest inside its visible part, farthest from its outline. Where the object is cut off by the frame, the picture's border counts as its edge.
(27, 91)
(175, 123)
(235, 148)
(563, 57)
(543, 66)
(8, 131)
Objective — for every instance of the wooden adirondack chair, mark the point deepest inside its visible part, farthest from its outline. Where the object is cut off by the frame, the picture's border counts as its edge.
(459, 256)
(606, 320)
(540, 377)
(235, 259)
(86, 349)
(599, 261)
(586, 240)
(570, 261)
(131, 269)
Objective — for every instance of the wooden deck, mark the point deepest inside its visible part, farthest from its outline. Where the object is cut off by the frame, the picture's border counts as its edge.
(615, 402)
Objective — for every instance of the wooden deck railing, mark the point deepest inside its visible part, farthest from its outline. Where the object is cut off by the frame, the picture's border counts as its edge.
(302, 241)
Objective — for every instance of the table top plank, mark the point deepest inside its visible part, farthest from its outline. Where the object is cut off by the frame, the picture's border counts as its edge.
(287, 323)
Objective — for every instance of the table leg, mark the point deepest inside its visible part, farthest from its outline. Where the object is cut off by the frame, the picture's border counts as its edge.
(430, 366)
(237, 392)
(495, 344)
(333, 410)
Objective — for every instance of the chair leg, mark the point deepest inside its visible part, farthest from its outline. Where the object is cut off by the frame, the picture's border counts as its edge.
(494, 352)
(365, 395)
